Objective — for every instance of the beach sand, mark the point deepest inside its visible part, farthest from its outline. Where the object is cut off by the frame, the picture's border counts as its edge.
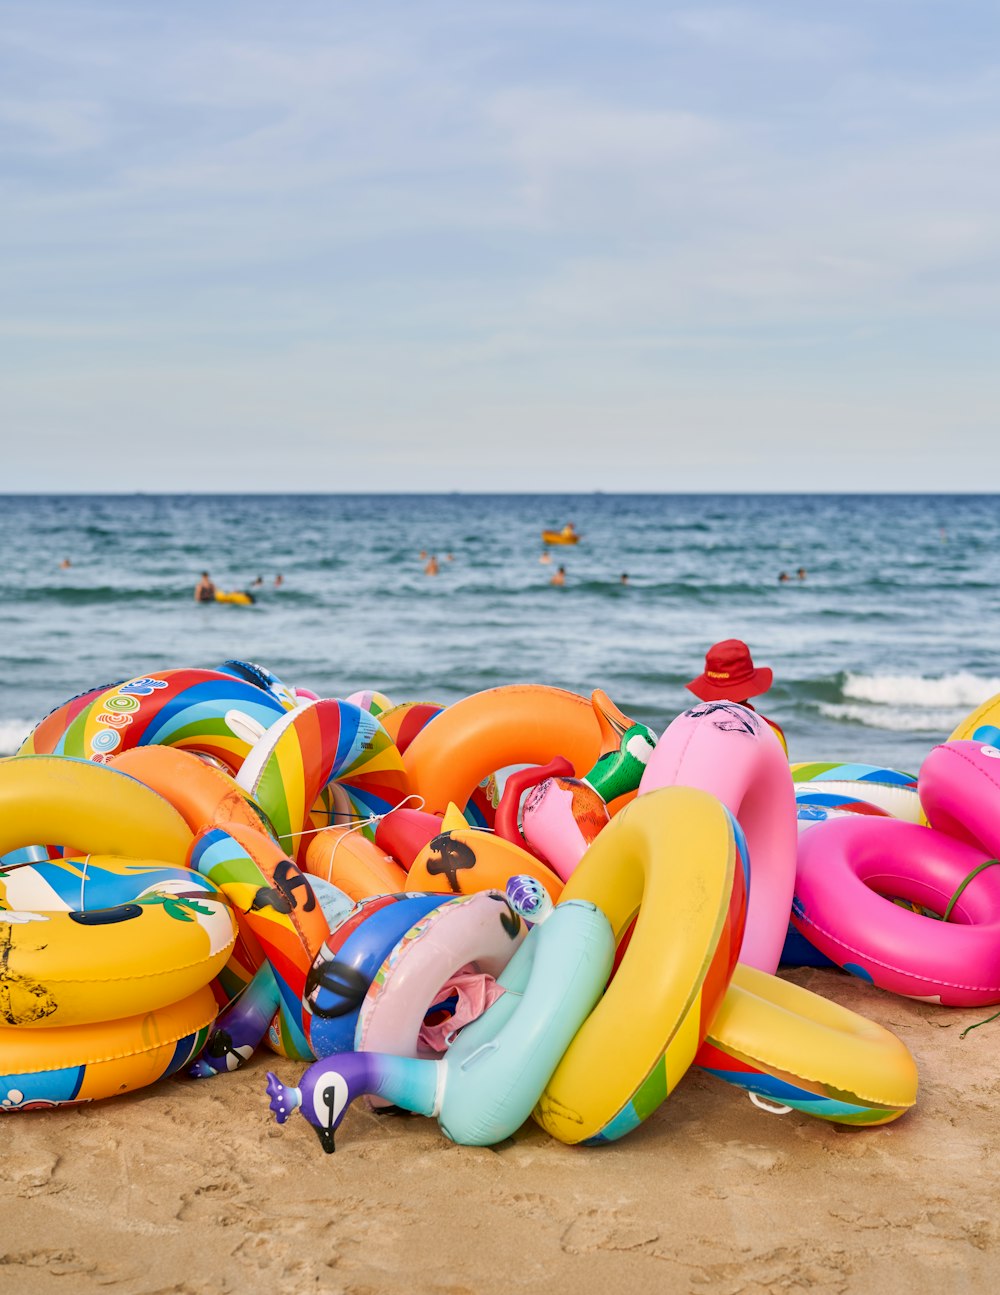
(190, 1187)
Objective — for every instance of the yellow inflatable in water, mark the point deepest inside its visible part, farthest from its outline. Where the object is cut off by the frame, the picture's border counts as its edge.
(566, 536)
(239, 596)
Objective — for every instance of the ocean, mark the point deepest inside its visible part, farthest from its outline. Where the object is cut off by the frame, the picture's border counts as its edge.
(878, 652)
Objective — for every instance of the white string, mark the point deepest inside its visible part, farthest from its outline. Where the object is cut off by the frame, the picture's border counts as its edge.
(362, 822)
(83, 882)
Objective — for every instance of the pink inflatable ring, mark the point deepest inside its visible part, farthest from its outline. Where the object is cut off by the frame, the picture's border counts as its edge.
(727, 750)
(851, 869)
(959, 789)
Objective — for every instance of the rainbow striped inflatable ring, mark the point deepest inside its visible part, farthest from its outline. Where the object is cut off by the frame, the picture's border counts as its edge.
(184, 708)
(889, 789)
(277, 907)
(314, 747)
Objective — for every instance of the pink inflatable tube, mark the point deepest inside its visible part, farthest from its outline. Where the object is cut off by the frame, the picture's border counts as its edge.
(959, 786)
(477, 932)
(728, 750)
(849, 871)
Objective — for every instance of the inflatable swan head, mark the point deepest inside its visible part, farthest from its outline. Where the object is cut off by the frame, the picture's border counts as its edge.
(330, 1085)
(328, 1088)
(625, 750)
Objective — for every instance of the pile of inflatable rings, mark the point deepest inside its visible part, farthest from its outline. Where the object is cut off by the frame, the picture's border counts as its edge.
(196, 862)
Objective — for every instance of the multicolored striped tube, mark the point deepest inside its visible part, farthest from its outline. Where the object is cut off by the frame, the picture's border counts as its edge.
(277, 911)
(202, 710)
(889, 789)
(322, 744)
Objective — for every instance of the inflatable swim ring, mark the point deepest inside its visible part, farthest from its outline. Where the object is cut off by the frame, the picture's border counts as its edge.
(83, 1063)
(477, 931)
(485, 1086)
(511, 725)
(205, 711)
(728, 750)
(796, 1049)
(319, 745)
(888, 789)
(674, 855)
(849, 872)
(462, 859)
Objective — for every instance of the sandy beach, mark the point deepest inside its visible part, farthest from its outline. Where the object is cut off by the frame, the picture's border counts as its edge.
(192, 1188)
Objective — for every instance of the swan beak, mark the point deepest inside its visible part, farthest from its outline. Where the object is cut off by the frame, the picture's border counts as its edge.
(326, 1140)
(613, 723)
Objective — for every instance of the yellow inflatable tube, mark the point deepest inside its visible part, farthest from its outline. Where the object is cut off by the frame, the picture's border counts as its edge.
(59, 800)
(798, 1050)
(76, 968)
(672, 856)
(80, 1063)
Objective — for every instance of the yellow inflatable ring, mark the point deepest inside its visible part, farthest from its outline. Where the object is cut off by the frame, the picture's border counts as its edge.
(74, 968)
(82, 1063)
(800, 1051)
(60, 800)
(673, 855)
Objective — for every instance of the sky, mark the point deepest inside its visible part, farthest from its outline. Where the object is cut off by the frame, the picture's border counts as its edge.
(499, 246)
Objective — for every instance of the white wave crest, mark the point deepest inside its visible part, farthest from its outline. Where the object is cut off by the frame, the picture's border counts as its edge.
(962, 690)
(897, 719)
(12, 734)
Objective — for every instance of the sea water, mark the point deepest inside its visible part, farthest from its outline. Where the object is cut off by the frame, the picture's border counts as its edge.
(883, 646)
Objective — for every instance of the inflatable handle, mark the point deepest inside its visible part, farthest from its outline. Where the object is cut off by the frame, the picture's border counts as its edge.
(517, 784)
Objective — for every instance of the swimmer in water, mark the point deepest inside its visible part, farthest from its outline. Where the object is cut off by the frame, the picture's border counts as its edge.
(204, 590)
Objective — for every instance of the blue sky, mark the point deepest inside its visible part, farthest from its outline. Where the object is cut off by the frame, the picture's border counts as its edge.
(619, 246)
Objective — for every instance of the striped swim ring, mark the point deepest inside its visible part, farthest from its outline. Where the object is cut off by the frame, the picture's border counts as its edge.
(323, 744)
(202, 710)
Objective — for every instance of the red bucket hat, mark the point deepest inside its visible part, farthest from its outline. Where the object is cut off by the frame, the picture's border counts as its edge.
(730, 674)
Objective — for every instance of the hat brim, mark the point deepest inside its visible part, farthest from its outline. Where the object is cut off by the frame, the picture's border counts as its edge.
(708, 690)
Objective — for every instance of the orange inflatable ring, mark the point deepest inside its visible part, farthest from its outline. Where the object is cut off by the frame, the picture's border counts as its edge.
(463, 860)
(347, 859)
(200, 793)
(491, 730)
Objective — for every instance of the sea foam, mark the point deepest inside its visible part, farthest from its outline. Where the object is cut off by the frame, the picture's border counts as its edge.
(963, 690)
(12, 734)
